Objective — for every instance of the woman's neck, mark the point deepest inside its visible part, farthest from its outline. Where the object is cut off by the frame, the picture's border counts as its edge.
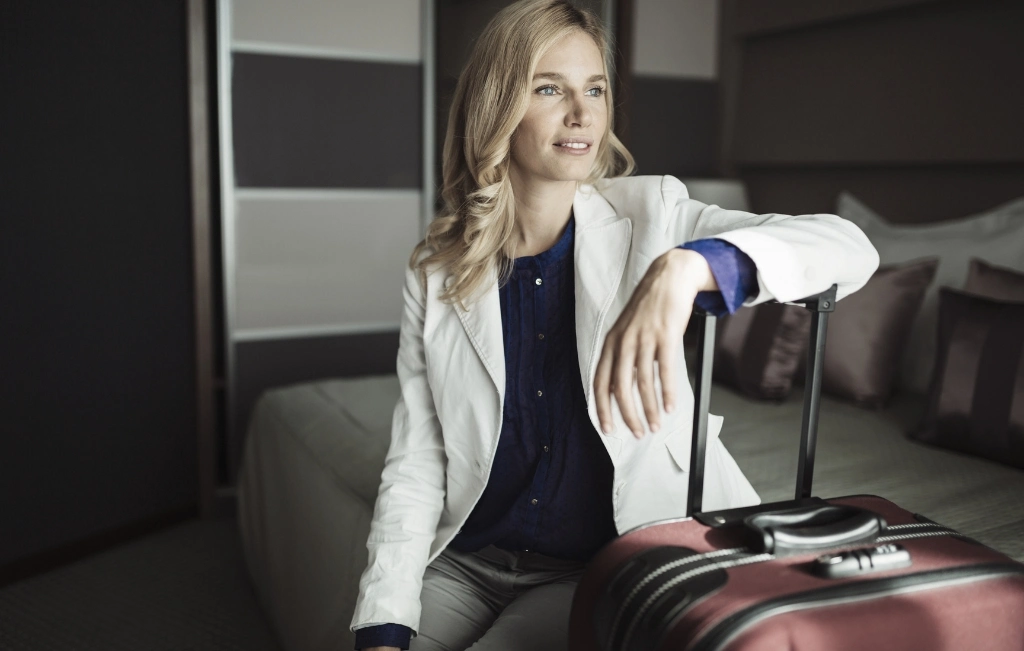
(543, 209)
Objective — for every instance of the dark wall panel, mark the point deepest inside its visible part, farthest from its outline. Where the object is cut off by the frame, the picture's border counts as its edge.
(900, 194)
(673, 125)
(303, 122)
(760, 16)
(97, 393)
(912, 106)
(262, 365)
(936, 82)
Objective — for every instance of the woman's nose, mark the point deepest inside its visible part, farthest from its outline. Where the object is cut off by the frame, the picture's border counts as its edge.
(579, 113)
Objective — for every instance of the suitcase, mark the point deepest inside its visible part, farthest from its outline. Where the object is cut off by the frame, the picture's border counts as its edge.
(849, 573)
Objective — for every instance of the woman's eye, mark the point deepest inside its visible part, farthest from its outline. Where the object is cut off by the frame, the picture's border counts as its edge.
(596, 92)
(546, 90)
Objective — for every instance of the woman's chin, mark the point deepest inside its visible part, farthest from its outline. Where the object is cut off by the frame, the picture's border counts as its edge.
(577, 171)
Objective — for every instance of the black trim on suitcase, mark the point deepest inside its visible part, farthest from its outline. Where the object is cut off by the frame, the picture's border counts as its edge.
(732, 626)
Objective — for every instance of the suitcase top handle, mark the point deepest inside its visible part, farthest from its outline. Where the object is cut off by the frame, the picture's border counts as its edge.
(820, 305)
(823, 526)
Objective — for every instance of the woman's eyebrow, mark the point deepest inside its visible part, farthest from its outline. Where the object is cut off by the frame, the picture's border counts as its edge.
(559, 77)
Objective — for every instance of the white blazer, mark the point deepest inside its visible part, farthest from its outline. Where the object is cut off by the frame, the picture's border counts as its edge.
(451, 367)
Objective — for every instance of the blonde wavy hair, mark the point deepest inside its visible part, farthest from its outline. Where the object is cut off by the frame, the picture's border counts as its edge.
(472, 235)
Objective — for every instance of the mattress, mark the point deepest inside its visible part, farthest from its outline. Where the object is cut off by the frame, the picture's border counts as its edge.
(314, 454)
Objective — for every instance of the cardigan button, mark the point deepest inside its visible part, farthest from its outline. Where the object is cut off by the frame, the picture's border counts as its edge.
(539, 281)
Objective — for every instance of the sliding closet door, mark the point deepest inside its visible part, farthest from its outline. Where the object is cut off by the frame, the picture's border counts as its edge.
(323, 187)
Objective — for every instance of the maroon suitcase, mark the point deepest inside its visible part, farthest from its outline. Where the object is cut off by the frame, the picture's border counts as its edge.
(850, 573)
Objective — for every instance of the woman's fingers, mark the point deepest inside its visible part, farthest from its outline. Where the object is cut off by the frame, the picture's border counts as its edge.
(666, 371)
(622, 385)
(627, 359)
(614, 378)
(645, 382)
(649, 330)
(602, 385)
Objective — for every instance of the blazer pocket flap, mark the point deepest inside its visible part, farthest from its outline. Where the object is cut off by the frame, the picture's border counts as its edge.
(680, 441)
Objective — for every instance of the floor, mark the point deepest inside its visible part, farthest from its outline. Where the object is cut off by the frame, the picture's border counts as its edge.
(184, 588)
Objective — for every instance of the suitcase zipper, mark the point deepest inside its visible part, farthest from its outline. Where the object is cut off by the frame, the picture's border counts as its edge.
(727, 630)
(748, 559)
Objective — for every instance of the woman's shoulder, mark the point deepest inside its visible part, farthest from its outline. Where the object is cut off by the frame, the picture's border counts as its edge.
(666, 186)
(651, 200)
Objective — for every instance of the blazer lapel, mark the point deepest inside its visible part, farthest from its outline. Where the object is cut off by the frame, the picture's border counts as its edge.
(482, 322)
(601, 250)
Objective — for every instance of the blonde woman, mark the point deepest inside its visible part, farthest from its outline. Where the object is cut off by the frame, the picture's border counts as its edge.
(544, 404)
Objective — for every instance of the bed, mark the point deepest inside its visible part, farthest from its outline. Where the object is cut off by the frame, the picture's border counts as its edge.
(314, 454)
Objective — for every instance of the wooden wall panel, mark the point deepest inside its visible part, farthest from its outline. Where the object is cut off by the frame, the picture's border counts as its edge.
(900, 194)
(939, 84)
(758, 16)
(913, 105)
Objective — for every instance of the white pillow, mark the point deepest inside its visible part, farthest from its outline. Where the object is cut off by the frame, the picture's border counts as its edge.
(996, 236)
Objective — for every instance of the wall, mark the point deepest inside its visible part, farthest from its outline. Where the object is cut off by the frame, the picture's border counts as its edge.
(674, 104)
(322, 132)
(97, 393)
(914, 106)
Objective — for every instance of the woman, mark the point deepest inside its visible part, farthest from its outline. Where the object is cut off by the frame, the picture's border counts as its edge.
(544, 405)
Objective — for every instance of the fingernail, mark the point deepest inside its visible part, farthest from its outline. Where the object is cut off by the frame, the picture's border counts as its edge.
(669, 408)
(638, 433)
(605, 428)
(655, 427)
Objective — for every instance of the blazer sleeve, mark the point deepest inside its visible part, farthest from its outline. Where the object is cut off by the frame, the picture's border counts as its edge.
(795, 255)
(412, 489)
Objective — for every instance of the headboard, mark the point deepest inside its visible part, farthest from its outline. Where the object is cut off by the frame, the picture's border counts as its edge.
(915, 106)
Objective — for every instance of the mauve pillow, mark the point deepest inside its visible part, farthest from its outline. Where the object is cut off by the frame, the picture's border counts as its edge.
(868, 332)
(976, 398)
(757, 349)
(997, 235)
(990, 281)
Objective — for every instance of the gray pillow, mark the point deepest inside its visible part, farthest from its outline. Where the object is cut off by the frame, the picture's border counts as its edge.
(996, 236)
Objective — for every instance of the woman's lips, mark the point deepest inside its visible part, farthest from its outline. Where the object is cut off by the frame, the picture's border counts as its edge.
(574, 147)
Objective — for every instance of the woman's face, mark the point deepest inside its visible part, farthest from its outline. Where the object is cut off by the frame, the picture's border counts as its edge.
(559, 136)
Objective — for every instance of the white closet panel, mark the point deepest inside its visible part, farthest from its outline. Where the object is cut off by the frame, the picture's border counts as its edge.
(314, 262)
(676, 38)
(381, 29)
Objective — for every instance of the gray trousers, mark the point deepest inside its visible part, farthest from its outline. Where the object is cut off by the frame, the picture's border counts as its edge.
(496, 600)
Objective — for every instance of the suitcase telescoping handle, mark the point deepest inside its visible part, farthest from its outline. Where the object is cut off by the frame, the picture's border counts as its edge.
(820, 306)
(804, 523)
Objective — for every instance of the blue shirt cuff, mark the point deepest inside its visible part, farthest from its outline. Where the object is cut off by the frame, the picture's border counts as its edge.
(383, 635)
(734, 271)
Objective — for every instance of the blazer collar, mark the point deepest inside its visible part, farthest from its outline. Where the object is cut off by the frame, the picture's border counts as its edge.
(600, 250)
